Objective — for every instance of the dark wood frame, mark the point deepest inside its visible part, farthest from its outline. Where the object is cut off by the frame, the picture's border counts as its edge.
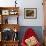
(29, 17)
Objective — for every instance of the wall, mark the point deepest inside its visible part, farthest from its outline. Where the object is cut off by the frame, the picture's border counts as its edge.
(27, 4)
(32, 4)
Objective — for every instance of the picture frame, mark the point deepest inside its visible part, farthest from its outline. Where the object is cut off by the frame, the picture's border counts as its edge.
(5, 12)
(30, 13)
(13, 12)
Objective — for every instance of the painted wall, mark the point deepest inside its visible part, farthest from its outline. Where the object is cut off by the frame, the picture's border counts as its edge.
(32, 4)
(26, 4)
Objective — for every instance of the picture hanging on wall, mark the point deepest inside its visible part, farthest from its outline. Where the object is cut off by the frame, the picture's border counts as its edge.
(30, 13)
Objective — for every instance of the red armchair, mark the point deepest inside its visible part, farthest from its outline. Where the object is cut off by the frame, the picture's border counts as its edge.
(30, 34)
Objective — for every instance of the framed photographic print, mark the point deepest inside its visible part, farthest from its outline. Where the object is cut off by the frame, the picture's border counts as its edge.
(11, 12)
(30, 13)
(5, 12)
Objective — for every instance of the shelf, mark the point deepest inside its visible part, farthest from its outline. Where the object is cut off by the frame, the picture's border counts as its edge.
(10, 26)
(9, 10)
(10, 19)
(11, 41)
(6, 23)
(6, 12)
